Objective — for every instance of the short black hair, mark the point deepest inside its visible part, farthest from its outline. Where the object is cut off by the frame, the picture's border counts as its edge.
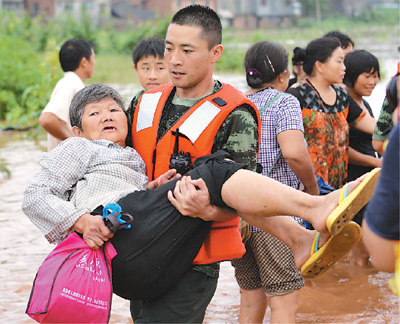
(358, 62)
(320, 49)
(148, 47)
(72, 52)
(344, 39)
(204, 17)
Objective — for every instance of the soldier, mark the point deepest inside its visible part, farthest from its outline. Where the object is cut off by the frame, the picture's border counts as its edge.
(210, 116)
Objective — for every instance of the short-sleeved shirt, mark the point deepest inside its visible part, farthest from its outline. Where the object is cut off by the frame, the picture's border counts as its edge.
(60, 99)
(282, 114)
(385, 123)
(382, 212)
(361, 142)
(326, 129)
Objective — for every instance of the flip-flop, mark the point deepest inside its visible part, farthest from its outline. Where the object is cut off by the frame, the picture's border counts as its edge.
(350, 204)
(335, 248)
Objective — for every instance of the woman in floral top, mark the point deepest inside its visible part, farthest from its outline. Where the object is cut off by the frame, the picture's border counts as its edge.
(328, 110)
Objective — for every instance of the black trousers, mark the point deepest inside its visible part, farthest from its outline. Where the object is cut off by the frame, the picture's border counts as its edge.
(161, 245)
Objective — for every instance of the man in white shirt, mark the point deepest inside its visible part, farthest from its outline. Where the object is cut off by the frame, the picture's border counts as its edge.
(77, 60)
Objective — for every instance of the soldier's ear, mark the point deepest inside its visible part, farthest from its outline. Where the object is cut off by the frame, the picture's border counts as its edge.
(216, 53)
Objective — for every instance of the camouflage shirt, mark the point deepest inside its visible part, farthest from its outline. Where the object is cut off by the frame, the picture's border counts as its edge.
(237, 135)
(385, 123)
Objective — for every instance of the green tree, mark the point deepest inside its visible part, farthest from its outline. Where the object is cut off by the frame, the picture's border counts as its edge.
(309, 7)
(25, 82)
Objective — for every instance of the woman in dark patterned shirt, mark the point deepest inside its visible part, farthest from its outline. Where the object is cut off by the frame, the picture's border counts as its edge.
(362, 75)
(328, 110)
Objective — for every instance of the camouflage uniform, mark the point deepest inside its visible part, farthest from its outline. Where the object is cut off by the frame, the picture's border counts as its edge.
(238, 135)
(385, 123)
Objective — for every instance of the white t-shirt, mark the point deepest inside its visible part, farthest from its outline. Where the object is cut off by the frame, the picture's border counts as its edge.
(60, 100)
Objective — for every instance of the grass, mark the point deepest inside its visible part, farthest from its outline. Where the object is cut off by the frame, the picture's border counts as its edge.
(113, 68)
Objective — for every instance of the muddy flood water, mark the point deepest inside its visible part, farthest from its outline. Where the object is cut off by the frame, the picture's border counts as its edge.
(345, 294)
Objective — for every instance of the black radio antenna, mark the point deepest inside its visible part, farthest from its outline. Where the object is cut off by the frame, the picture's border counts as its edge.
(176, 147)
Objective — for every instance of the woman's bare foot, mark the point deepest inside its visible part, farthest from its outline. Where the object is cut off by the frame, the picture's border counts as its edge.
(302, 250)
(327, 204)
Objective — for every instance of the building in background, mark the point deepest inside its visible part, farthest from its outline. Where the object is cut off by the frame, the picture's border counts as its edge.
(97, 10)
(44, 8)
(140, 10)
(249, 14)
(17, 6)
(257, 13)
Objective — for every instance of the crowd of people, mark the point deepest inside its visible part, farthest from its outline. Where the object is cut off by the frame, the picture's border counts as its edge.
(295, 138)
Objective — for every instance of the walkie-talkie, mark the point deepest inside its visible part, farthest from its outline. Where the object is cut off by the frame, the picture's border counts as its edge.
(180, 161)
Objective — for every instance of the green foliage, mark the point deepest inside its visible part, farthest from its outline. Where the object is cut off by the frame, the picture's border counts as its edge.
(231, 59)
(29, 66)
(24, 81)
(147, 30)
(381, 16)
(71, 28)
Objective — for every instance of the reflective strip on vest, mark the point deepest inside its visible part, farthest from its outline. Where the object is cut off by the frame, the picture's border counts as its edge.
(146, 115)
(198, 121)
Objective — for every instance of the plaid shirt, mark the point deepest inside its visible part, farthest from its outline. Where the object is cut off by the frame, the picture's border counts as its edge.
(283, 114)
(75, 178)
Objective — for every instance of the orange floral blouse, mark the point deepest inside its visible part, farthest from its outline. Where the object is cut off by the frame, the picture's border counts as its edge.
(326, 130)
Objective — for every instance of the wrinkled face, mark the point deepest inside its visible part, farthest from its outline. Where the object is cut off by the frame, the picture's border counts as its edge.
(365, 83)
(189, 60)
(333, 70)
(103, 120)
(152, 72)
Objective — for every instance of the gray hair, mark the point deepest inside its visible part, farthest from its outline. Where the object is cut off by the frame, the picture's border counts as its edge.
(93, 93)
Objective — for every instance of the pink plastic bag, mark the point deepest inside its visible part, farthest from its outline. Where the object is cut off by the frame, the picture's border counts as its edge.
(73, 284)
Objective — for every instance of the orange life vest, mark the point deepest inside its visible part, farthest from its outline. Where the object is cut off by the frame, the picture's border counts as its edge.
(199, 126)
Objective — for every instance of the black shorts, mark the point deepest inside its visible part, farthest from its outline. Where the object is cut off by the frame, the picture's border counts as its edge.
(162, 244)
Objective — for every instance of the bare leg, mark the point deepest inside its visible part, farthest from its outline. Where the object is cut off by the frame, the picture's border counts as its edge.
(253, 304)
(359, 255)
(284, 308)
(287, 230)
(253, 195)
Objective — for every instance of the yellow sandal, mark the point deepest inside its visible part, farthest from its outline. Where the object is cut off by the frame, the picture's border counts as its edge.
(350, 204)
(335, 248)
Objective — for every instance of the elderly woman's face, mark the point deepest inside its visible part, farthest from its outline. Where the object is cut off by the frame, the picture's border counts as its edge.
(104, 120)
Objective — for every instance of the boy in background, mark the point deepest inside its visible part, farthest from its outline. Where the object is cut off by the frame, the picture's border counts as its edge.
(149, 63)
(151, 68)
(77, 60)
